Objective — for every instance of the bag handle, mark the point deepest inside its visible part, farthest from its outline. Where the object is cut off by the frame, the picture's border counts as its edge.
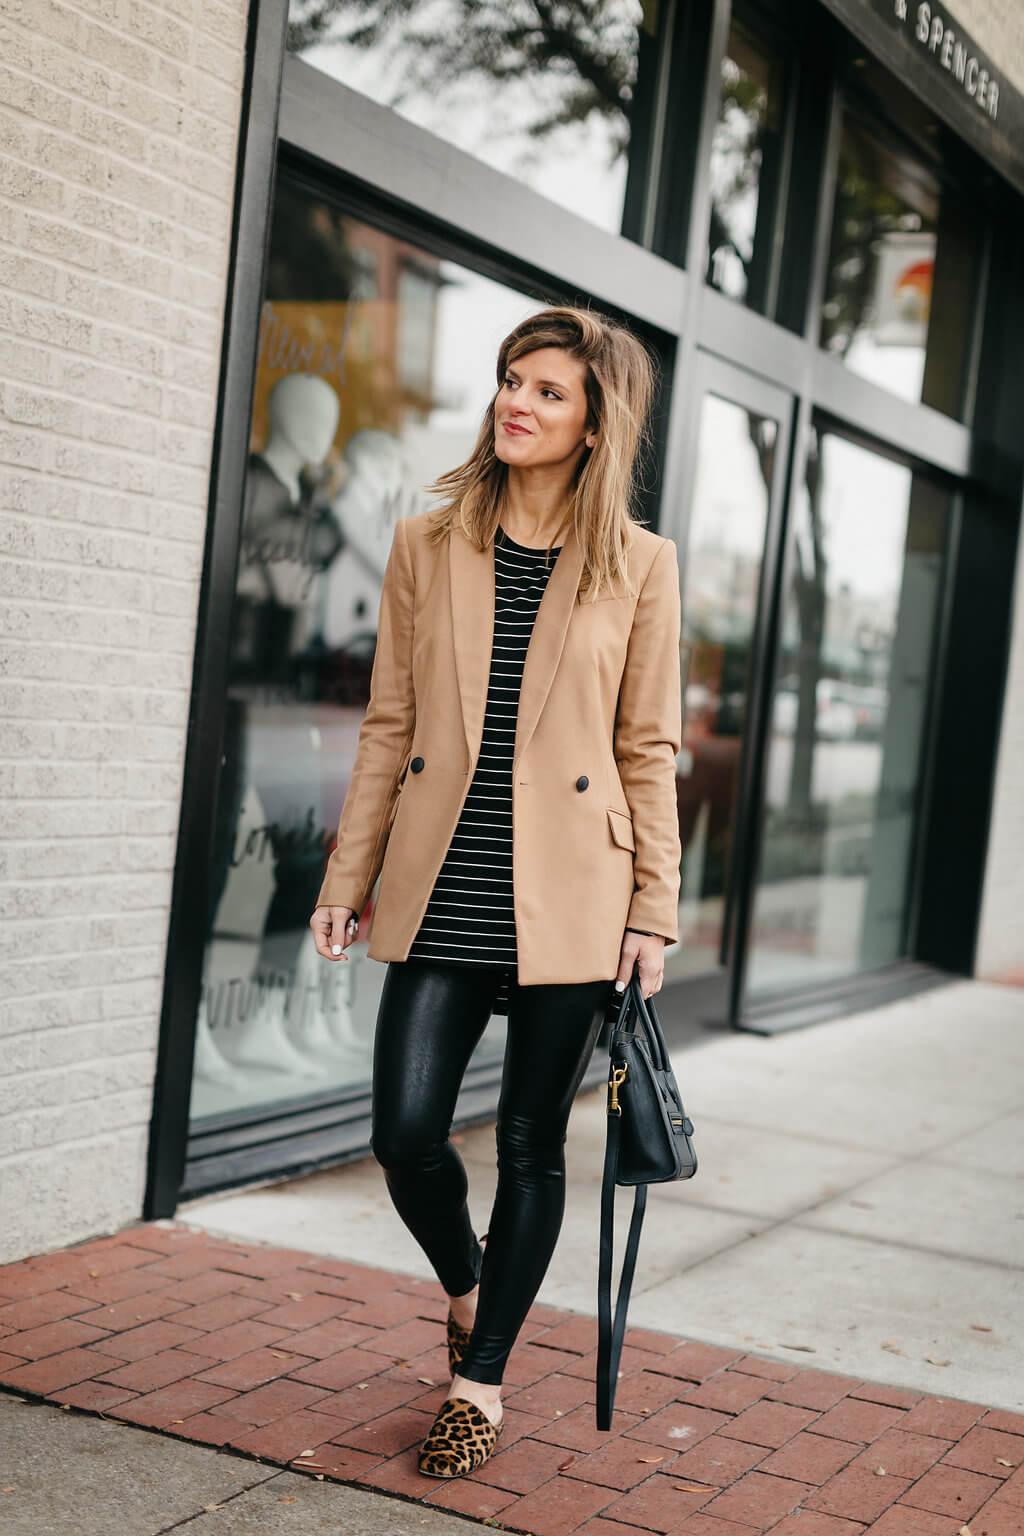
(652, 1026)
(609, 1335)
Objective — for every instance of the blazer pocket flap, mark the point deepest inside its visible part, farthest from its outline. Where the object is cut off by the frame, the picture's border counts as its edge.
(622, 829)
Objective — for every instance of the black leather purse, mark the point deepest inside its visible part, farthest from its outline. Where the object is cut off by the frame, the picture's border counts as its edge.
(648, 1143)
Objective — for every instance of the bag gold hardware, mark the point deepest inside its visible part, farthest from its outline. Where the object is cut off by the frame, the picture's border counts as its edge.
(618, 1078)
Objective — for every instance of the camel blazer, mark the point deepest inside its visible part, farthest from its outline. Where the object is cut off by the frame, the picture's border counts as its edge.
(596, 836)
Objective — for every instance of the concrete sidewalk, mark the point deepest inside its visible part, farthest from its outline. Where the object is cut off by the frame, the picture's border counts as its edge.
(859, 1205)
(69, 1474)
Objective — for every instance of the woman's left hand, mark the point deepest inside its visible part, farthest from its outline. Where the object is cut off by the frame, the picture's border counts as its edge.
(648, 950)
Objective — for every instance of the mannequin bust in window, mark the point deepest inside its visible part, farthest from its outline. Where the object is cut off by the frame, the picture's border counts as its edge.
(374, 494)
(289, 534)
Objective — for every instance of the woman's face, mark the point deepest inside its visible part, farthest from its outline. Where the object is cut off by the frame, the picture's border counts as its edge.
(541, 411)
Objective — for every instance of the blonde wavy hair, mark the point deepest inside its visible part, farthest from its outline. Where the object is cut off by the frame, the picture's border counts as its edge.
(602, 509)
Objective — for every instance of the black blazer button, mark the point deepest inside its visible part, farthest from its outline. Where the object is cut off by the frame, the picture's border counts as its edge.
(416, 766)
(582, 782)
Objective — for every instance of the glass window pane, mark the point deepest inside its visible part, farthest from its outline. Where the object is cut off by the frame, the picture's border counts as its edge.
(375, 361)
(722, 568)
(745, 162)
(545, 94)
(848, 717)
(898, 304)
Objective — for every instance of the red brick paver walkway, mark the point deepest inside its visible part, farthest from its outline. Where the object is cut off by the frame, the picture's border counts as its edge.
(336, 1370)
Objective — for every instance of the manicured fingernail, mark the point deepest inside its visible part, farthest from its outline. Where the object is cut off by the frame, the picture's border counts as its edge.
(335, 949)
(620, 986)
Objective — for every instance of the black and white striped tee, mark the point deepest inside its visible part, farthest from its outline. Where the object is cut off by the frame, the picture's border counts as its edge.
(469, 918)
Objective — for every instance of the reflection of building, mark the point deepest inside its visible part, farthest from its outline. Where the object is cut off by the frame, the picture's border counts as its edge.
(859, 633)
(365, 321)
(904, 276)
(723, 585)
(827, 262)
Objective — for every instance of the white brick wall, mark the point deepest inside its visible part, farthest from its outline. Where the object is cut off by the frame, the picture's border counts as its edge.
(1001, 933)
(118, 133)
(997, 26)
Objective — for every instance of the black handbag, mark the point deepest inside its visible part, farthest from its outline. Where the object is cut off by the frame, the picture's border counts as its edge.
(648, 1143)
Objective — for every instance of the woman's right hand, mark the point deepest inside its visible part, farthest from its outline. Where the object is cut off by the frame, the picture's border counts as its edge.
(331, 931)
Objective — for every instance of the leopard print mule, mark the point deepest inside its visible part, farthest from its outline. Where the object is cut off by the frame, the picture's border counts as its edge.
(458, 1343)
(461, 1439)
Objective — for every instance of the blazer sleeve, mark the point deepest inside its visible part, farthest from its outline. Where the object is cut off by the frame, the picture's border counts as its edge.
(385, 741)
(648, 732)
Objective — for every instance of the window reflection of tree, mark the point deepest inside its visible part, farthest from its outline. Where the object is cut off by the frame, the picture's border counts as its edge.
(579, 55)
(309, 258)
(736, 174)
(809, 569)
(746, 168)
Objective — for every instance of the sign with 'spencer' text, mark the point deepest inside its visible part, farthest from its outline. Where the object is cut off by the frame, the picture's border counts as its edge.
(968, 86)
(937, 34)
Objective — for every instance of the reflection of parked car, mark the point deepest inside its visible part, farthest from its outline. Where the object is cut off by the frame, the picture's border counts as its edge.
(835, 717)
(835, 713)
(338, 676)
(871, 706)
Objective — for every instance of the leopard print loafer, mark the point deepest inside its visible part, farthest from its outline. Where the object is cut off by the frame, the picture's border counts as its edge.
(461, 1439)
(458, 1343)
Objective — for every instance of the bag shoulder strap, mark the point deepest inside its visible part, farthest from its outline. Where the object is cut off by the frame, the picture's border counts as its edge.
(610, 1335)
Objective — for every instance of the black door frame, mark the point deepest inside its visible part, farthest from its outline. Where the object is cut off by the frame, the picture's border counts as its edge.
(204, 747)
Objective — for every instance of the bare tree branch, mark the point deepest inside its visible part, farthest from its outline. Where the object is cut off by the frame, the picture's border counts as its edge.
(588, 45)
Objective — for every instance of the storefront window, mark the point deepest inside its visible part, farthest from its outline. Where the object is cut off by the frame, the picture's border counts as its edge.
(843, 771)
(898, 306)
(745, 165)
(725, 546)
(375, 361)
(544, 93)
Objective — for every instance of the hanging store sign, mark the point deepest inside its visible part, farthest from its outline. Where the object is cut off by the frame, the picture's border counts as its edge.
(922, 43)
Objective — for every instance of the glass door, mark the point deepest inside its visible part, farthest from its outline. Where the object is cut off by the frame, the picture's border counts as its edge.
(843, 778)
(728, 551)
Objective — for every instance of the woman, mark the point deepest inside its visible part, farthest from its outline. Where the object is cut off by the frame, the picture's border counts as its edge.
(514, 786)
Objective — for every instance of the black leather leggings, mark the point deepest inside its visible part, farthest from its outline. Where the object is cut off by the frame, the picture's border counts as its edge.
(430, 1019)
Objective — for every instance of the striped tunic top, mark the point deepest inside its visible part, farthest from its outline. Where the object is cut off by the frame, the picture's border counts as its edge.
(469, 918)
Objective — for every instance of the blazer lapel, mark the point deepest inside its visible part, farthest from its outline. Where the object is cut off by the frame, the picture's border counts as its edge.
(471, 581)
(548, 638)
